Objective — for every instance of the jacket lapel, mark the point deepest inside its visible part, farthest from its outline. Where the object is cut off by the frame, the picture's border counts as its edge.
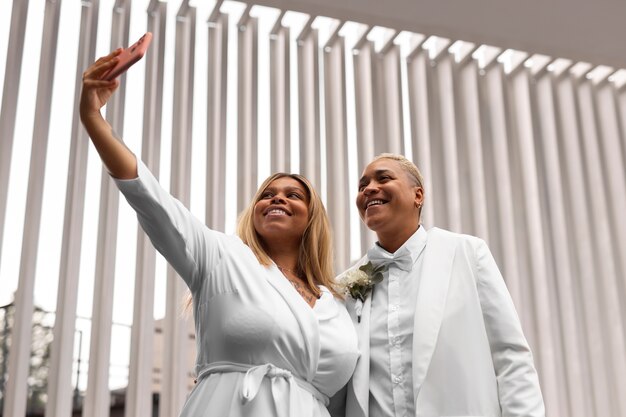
(430, 304)
(360, 380)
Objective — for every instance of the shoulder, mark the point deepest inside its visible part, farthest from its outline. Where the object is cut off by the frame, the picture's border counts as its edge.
(460, 241)
(237, 248)
(229, 246)
(437, 233)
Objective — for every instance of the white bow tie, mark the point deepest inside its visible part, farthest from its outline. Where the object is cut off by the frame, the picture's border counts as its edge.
(401, 258)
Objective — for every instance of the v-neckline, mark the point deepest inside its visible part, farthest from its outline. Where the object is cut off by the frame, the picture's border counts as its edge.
(291, 285)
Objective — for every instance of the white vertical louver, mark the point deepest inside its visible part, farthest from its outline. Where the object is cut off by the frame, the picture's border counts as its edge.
(527, 152)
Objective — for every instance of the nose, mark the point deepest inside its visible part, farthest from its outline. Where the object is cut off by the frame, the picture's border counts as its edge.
(370, 188)
(278, 198)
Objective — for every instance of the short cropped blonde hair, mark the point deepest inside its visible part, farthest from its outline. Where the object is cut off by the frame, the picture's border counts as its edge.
(413, 173)
(409, 167)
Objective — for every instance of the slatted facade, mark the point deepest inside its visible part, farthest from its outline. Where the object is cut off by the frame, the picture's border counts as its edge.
(525, 151)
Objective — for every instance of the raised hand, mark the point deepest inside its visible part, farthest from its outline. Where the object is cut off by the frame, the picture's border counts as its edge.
(96, 91)
(118, 159)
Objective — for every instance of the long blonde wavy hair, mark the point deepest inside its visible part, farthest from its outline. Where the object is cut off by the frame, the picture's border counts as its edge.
(315, 255)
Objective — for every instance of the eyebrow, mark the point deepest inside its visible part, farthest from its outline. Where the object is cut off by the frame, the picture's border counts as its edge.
(295, 189)
(287, 189)
(376, 173)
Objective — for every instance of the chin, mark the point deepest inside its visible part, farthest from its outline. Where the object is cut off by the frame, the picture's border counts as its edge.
(373, 224)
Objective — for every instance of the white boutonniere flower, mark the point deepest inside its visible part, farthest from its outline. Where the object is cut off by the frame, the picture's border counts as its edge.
(358, 283)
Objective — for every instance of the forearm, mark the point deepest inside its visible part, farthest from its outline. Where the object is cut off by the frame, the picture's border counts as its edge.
(117, 158)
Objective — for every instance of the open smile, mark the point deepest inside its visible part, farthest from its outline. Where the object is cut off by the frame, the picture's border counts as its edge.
(276, 211)
(374, 203)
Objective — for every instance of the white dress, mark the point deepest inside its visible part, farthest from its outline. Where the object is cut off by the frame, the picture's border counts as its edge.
(262, 350)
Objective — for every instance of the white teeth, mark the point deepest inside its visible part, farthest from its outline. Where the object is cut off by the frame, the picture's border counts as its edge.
(374, 203)
(276, 211)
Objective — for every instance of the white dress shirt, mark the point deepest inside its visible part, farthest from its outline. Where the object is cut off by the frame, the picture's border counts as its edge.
(391, 332)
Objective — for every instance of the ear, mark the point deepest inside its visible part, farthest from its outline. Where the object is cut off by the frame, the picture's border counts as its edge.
(419, 197)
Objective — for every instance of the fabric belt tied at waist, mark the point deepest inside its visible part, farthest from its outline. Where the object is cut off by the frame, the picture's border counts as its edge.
(254, 378)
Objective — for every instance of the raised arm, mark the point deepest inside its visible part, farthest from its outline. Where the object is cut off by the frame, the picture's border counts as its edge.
(187, 244)
(118, 159)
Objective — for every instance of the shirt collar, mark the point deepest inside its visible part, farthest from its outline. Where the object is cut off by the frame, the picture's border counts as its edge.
(414, 244)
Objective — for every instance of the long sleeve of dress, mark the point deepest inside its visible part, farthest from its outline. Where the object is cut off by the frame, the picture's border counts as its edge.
(186, 243)
(518, 383)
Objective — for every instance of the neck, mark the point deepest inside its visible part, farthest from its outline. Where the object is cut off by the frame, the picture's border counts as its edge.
(392, 241)
(285, 258)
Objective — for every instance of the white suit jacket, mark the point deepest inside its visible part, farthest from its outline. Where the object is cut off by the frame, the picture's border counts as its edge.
(470, 357)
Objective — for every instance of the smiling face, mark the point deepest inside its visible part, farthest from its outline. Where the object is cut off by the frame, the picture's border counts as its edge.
(281, 214)
(389, 200)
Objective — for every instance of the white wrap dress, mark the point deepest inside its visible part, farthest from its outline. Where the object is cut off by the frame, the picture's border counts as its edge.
(262, 350)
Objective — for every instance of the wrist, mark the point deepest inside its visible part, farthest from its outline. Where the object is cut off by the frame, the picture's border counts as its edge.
(90, 116)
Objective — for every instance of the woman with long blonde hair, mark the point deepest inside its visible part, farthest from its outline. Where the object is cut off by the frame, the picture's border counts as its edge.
(273, 336)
